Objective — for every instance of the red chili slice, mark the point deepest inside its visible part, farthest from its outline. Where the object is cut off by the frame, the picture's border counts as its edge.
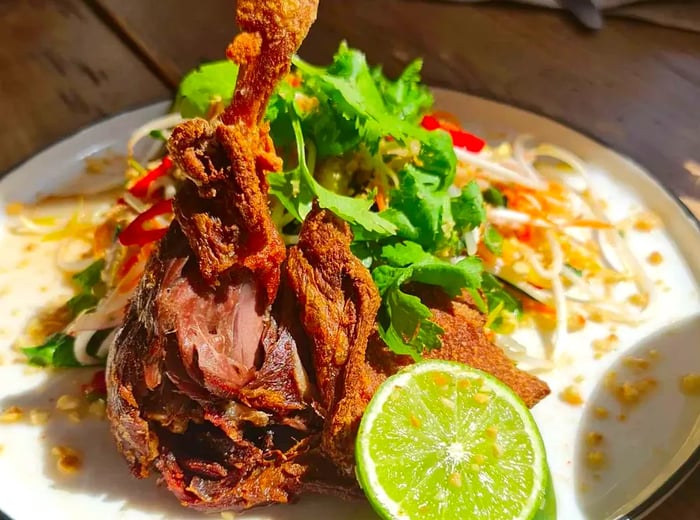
(140, 189)
(97, 385)
(460, 138)
(135, 234)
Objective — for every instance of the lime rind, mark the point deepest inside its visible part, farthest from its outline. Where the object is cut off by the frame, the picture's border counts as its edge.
(425, 469)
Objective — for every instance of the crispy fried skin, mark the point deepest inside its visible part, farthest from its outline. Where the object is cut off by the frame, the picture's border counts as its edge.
(339, 303)
(274, 30)
(464, 340)
(223, 206)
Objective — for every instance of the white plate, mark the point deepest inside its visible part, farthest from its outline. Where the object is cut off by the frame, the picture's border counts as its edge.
(648, 454)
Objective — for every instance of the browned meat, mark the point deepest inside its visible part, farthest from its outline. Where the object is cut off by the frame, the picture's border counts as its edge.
(206, 380)
(208, 391)
(222, 208)
(240, 386)
(339, 304)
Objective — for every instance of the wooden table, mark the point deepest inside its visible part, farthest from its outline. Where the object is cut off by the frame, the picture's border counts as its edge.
(67, 63)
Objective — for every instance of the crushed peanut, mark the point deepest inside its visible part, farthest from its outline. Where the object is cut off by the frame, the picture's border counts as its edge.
(604, 345)
(68, 460)
(227, 515)
(74, 416)
(636, 363)
(98, 407)
(646, 222)
(14, 209)
(629, 392)
(655, 258)
(601, 412)
(67, 403)
(690, 384)
(576, 322)
(595, 459)
(11, 414)
(594, 438)
(571, 395)
(596, 316)
(38, 417)
(639, 299)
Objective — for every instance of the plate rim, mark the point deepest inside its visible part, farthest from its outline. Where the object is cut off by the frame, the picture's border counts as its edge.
(682, 473)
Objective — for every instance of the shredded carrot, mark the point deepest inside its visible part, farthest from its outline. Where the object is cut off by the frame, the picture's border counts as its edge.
(103, 238)
(595, 224)
(530, 305)
(380, 199)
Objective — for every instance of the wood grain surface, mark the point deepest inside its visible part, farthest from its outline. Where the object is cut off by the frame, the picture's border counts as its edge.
(60, 69)
(634, 86)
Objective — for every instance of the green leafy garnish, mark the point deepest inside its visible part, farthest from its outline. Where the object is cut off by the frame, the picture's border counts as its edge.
(404, 321)
(296, 190)
(493, 240)
(499, 299)
(468, 209)
(494, 197)
(406, 96)
(58, 350)
(157, 135)
(90, 288)
(208, 83)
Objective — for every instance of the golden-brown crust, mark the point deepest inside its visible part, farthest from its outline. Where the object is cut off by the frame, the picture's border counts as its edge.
(223, 206)
(464, 340)
(272, 31)
(339, 303)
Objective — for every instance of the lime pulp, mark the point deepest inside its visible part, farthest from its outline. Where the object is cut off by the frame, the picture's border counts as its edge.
(440, 440)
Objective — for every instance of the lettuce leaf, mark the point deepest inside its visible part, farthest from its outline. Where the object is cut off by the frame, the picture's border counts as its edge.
(214, 81)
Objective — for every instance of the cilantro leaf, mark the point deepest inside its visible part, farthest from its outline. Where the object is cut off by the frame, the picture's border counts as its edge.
(89, 284)
(407, 328)
(406, 97)
(422, 205)
(56, 351)
(468, 209)
(296, 190)
(493, 240)
(208, 82)
(495, 197)
(496, 294)
(81, 302)
(404, 321)
(90, 276)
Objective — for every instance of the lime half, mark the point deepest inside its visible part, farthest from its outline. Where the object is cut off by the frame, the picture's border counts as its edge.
(441, 440)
